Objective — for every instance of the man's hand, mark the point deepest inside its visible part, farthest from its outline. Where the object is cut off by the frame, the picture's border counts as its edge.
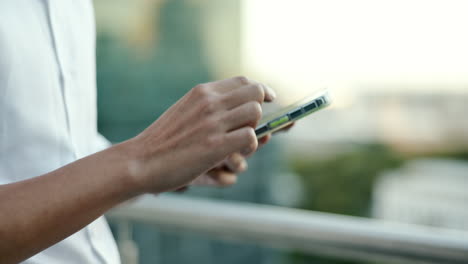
(226, 173)
(205, 127)
(209, 124)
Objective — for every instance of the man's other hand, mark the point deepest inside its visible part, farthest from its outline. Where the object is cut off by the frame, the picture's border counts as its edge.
(226, 174)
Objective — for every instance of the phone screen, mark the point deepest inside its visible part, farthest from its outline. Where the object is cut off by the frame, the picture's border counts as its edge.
(293, 112)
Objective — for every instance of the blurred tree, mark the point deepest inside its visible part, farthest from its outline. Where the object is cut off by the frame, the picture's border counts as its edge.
(341, 184)
(134, 91)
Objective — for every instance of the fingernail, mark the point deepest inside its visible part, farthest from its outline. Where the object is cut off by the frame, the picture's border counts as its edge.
(272, 93)
(243, 166)
(269, 93)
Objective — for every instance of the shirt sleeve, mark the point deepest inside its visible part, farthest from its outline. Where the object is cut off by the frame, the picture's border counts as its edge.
(101, 143)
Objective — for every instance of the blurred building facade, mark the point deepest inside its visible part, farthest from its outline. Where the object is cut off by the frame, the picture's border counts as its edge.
(408, 121)
(427, 192)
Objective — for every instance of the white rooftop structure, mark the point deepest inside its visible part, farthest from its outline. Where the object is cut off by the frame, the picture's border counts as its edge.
(430, 192)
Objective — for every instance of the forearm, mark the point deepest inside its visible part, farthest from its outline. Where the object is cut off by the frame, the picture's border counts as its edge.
(42, 211)
(211, 122)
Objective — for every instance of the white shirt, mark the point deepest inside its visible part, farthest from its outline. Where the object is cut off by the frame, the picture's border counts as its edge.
(48, 106)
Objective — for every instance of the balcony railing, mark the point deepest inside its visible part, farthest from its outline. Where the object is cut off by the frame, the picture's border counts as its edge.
(306, 231)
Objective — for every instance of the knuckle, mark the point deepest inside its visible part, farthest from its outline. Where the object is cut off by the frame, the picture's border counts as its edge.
(256, 111)
(236, 167)
(252, 142)
(259, 92)
(242, 80)
(209, 104)
(236, 162)
(241, 166)
(225, 99)
(201, 89)
(227, 181)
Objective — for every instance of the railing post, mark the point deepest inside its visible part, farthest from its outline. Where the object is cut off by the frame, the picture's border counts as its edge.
(127, 247)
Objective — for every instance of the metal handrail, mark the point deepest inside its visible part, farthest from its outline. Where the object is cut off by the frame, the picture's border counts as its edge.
(300, 230)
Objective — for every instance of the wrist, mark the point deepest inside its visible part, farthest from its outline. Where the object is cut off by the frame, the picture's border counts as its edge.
(131, 165)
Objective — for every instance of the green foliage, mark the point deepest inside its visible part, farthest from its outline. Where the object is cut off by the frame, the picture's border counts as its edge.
(343, 183)
(457, 155)
(299, 258)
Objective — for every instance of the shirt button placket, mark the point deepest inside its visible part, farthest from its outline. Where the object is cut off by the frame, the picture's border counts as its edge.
(57, 20)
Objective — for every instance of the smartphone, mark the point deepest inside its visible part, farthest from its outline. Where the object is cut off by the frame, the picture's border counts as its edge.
(291, 113)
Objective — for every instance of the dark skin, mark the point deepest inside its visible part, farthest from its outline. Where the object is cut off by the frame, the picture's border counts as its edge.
(217, 121)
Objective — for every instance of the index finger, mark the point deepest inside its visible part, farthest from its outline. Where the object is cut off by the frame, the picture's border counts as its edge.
(227, 85)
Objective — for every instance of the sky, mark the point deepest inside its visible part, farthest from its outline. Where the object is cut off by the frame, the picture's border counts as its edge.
(301, 45)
